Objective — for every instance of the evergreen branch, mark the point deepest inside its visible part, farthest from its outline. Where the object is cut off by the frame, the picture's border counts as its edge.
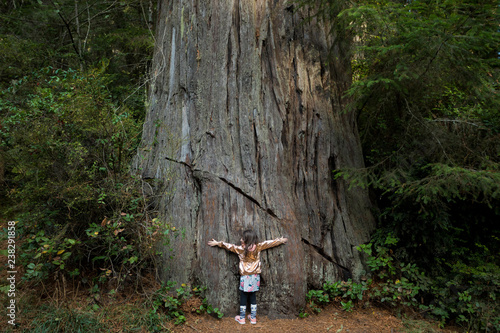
(440, 46)
(456, 121)
(430, 131)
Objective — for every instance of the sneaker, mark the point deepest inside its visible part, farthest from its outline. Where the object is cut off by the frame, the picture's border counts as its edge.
(252, 321)
(239, 319)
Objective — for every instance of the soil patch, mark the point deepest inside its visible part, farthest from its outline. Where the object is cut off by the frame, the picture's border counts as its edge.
(331, 319)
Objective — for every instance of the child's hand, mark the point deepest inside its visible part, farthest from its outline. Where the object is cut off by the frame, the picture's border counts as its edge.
(213, 242)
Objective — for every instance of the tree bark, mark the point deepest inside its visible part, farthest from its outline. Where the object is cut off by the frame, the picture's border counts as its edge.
(244, 129)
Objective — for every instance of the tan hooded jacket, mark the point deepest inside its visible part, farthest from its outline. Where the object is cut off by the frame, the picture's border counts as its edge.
(251, 264)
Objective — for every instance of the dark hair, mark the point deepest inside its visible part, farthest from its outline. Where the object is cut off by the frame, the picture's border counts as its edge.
(249, 238)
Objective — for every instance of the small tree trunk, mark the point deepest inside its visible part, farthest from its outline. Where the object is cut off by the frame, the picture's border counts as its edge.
(246, 126)
(79, 36)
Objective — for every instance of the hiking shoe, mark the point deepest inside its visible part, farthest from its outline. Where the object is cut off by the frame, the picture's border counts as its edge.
(252, 321)
(239, 319)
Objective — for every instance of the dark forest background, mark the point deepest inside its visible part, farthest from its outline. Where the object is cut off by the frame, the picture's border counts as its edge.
(73, 96)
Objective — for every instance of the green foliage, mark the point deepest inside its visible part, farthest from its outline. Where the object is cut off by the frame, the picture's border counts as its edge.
(348, 290)
(425, 80)
(425, 92)
(303, 314)
(210, 309)
(347, 306)
(317, 296)
(396, 283)
(67, 149)
(162, 300)
(18, 57)
(68, 132)
(467, 295)
(67, 34)
(60, 319)
(165, 302)
(146, 312)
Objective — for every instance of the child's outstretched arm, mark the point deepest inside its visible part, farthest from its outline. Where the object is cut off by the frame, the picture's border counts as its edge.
(227, 246)
(272, 243)
(213, 242)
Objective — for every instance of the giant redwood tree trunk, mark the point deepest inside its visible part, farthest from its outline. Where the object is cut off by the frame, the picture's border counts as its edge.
(245, 125)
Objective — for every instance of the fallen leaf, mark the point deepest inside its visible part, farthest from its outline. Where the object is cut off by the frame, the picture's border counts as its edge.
(117, 231)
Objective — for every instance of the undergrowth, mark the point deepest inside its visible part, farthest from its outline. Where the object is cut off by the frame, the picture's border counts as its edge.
(466, 297)
(173, 306)
(80, 209)
(157, 310)
(50, 318)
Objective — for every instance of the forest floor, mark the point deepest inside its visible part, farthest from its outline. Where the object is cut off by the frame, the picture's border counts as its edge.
(60, 300)
(125, 312)
(121, 314)
(330, 319)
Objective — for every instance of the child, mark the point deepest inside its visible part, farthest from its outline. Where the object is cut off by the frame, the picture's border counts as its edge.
(250, 269)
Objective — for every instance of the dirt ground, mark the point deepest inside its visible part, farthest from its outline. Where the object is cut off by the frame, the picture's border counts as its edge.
(331, 319)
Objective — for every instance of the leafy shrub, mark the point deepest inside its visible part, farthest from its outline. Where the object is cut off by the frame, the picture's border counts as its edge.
(317, 296)
(426, 100)
(467, 294)
(169, 304)
(67, 150)
(337, 290)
